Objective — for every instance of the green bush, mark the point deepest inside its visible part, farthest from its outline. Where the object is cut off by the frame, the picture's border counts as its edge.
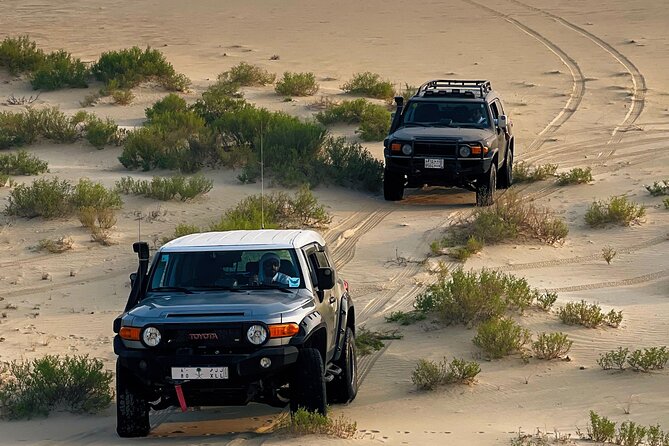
(576, 175)
(630, 434)
(220, 98)
(183, 188)
(462, 253)
(22, 163)
(375, 123)
(171, 103)
(613, 358)
(588, 315)
(499, 337)
(59, 70)
(20, 55)
(97, 132)
(653, 358)
(4, 179)
(55, 246)
(617, 210)
(551, 345)
(303, 422)
(36, 387)
(94, 195)
(132, 66)
(53, 124)
(369, 84)
(346, 112)
(666, 203)
(656, 437)
(658, 188)
(407, 92)
(246, 74)
(297, 84)
(524, 173)
(429, 374)
(374, 119)
(44, 198)
(601, 429)
(405, 317)
(351, 165)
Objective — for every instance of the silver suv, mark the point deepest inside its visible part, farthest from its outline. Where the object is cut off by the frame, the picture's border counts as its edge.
(226, 318)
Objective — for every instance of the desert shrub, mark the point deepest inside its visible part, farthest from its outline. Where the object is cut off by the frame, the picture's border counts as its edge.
(462, 253)
(499, 337)
(601, 429)
(630, 434)
(608, 253)
(59, 70)
(171, 103)
(470, 297)
(184, 188)
(375, 123)
(368, 341)
(4, 179)
(656, 436)
(551, 345)
(347, 112)
(429, 374)
(576, 175)
(658, 188)
(405, 317)
(175, 82)
(374, 119)
(613, 358)
(123, 96)
(407, 92)
(13, 130)
(55, 246)
(131, 66)
(246, 74)
(617, 210)
(652, 358)
(351, 165)
(525, 173)
(220, 98)
(97, 132)
(666, 203)
(22, 163)
(369, 84)
(297, 84)
(20, 55)
(588, 315)
(44, 198)
(35, 387)
(303, 422)
(89, 194)
(53, 124)
(546, 300)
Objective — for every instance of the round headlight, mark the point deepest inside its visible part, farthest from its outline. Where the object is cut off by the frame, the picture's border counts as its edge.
(465, 151)
(151, 336)
(407, 149)
(256, 334)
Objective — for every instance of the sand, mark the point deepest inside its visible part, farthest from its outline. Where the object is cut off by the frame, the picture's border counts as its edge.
(585, 85)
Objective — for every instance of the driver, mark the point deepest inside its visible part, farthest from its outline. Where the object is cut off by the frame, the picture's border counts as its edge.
(478, 117)
(269, 273)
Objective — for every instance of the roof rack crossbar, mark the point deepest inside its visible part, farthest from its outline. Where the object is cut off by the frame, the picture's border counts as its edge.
(480, 86)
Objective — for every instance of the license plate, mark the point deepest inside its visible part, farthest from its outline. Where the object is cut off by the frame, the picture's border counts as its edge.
(199, 373)
(434, 163)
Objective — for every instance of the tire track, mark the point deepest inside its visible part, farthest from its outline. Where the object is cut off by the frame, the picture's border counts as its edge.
(578, 80)
(345, 251)
(612, 284)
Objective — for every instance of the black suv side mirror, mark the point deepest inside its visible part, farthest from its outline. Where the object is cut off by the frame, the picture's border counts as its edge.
(326, 278)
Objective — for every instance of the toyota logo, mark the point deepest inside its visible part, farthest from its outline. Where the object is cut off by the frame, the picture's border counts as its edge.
(203, 336)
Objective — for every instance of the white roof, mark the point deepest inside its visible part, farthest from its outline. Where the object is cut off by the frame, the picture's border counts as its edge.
(254, 239)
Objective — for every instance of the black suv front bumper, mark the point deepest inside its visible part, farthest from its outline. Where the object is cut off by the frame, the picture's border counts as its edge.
(456, 172)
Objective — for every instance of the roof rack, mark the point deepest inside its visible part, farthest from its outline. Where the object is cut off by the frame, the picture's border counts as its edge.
(456, 87)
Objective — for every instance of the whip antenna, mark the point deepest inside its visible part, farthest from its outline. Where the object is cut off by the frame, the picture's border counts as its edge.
(262, 181)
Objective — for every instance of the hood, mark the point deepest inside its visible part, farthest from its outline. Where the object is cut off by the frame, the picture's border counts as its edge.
(252, 304)
(445, 133)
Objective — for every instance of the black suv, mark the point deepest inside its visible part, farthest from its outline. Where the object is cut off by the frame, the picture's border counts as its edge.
(450, 133)
(226, 318)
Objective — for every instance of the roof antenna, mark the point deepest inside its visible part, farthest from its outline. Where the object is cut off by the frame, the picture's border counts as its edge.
(262, 182)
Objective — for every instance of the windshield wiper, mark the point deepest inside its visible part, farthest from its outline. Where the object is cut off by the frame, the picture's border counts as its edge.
(419, 124)
(172, 288)
(216, 287)
(270, 287)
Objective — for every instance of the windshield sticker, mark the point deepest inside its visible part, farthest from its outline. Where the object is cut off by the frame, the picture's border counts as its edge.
(165, 258)
(293, 282)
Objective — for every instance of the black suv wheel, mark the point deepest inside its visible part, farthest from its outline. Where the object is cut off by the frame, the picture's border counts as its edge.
(505, 178)
(485, 189)
(344, 387)
(308, 385)
(393, 186)
(132, 408)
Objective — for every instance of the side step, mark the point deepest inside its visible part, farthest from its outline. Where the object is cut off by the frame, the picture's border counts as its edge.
(331, 372)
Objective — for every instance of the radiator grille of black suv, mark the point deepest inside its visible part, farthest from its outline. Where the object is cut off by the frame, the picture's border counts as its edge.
(223, 336)
(433, 148)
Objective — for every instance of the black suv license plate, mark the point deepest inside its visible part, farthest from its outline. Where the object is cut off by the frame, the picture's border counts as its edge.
(434, 163)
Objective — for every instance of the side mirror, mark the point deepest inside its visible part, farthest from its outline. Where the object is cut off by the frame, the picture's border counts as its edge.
(142, 250)
(399, 100)
(503, 121)
(326, 278)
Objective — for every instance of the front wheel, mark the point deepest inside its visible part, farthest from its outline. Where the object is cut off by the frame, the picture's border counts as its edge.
(505, 178)
(485, 189)
(308, 383)
(344, 387)
(393, 185)
(132, 407)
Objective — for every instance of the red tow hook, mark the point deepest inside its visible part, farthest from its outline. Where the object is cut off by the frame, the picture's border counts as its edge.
(180, 397)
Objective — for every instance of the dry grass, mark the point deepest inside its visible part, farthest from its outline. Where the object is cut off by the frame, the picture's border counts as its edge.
(55, 246)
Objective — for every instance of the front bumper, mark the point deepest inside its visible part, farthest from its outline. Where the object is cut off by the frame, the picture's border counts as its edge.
(456, 172)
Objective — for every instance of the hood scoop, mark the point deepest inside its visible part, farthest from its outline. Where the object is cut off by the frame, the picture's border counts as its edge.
(208, 314)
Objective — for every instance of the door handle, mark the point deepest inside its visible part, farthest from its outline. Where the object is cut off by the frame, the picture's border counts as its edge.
(332, 299)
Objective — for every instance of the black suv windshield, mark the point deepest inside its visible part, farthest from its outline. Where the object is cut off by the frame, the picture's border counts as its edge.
(225, 270)
(446, 113)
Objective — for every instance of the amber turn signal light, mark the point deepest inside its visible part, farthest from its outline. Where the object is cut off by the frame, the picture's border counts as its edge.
(476, 150)
(283, 330)
(129, 333)
(396, 147)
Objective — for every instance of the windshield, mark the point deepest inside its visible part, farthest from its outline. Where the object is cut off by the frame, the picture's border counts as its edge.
(228, 270)
(449, 114)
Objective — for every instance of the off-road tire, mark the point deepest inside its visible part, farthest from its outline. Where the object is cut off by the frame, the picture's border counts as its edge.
(485, 189)
(344, 387)
(505, 177)
(393, 186)
(132, 408)
(308, 383)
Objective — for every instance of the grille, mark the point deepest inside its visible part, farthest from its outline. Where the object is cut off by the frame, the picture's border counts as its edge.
(434, 148)
(212, 335)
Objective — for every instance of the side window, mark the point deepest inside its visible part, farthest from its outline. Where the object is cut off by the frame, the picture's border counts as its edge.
(500, 108)
(494, 110)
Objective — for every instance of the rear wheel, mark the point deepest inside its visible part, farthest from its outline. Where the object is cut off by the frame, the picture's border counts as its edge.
(505, 177)
(485, 189)
(344, 387)
(393, 185)
(132, 407)
(308, 384)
